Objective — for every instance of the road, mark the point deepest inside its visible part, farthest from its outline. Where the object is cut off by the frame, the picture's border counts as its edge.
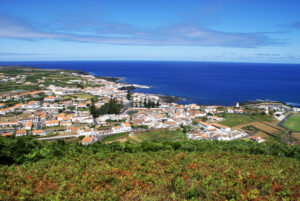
(126, 106)
(57, 137)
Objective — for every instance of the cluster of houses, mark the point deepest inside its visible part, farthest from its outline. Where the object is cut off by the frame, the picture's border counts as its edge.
(63, 112)
(215, 131)
(60, 115)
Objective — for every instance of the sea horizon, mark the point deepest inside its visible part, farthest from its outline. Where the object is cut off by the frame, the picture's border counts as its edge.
(205, 83)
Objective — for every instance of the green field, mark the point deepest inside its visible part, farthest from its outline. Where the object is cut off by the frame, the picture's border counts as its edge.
(161, 135)
(293, 123)
(236, 119)
(115, 137)
(232, 120)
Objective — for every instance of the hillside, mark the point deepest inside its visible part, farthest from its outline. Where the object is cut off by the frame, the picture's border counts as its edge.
(190, 170)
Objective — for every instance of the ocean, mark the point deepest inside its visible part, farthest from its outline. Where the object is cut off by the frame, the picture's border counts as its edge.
(197, 82)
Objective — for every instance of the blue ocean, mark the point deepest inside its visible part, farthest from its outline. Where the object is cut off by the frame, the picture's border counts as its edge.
(197, 82)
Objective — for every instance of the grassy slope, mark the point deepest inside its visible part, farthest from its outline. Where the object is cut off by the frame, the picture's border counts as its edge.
(293, 123)
(162, 175)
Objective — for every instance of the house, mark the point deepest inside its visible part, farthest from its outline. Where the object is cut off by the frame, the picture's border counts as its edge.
(72, 129)
(83, 119)
(20, 133)
(117, 129)
(50, 99)
(221, 136)
(32, 105)
(216, 118)
(229, 110)
(205, 125)
(33, 119)
(6, 134)
(126, 127)
(66, 123)
(8, 123)
(60, 116)
(222, 127)
(239, 111)
(86, 132)
(4, 111)
(88, 140)
(28, 125)
(82, 105)
(257, 139)
(39, 132)
(52, 123)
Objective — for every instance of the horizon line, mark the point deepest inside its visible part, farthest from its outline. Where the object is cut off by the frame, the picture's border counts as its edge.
(129, 60)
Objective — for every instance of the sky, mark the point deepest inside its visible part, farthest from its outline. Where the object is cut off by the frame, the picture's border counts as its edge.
(265, 31)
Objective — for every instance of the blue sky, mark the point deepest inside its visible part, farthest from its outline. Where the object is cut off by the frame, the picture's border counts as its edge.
(194, 30)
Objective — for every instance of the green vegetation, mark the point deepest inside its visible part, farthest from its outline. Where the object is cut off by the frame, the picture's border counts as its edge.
(129, 94)
(263, 117)
(235, 119)
(251, 129)
(161, 136)
(293, 123)
(232, 120)
(115, 137)
(132, 112)
(181, 170)
(112, 107)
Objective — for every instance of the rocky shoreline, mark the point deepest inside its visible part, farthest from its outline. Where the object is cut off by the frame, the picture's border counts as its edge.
(168, 99)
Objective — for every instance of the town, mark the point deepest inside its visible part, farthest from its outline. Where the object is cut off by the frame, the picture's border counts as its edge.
(63, 104)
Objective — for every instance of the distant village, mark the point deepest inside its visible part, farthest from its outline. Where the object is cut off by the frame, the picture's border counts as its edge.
(58, 112)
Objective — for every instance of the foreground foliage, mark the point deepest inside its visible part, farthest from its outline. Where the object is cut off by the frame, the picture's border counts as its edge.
(162, 175)
(27, 149)
(168, 170)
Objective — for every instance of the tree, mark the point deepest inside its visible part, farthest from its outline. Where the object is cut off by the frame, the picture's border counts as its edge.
(112, 107)
(93, 110)
(128, 94)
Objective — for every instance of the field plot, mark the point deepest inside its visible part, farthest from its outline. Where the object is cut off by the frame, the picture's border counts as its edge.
(264, 129)
(236, 119)
(232, 120)
(292, 123)
(160, 135)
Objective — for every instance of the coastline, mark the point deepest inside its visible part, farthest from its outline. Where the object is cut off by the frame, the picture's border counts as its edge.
(121, 80)
(163, 98)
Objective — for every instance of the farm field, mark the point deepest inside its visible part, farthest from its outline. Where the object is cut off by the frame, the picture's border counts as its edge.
(161, 135)
(236, 119)
(293, 123)
(297, 138)
(260, 126)
(233, 120)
